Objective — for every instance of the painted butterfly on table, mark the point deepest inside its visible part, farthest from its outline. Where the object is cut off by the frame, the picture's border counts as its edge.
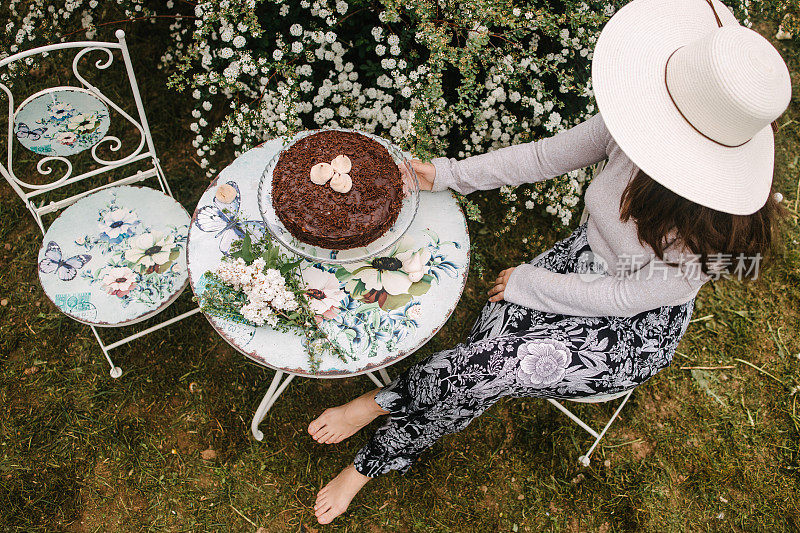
(66, 269)
(223, 220)
(24, 131)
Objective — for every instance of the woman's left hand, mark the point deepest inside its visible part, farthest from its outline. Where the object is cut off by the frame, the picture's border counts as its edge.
(496, 293)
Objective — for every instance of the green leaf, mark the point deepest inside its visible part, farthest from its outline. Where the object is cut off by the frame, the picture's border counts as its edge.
(272, 256)
(365, 308)
(394, 302)
(419, 288)
(355, 287)
(245, 251)
(342, 274)
(433, 235)
(288, 267)
(247, 248)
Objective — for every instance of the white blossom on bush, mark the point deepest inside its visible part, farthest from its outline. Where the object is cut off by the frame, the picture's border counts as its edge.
(456, 78)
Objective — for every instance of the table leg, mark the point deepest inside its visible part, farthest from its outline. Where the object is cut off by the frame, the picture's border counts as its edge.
(275, 390)
(375, 379)
(381, 381)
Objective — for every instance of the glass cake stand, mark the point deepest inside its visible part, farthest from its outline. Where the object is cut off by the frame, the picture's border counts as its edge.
(317, 254)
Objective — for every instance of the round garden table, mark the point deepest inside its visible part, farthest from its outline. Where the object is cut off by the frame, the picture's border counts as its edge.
(373, 328)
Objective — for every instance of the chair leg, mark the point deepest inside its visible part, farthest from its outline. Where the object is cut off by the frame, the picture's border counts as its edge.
(36, 216)
(275, 390)
(116, 371)
(584, 459)
(162, 178)
(150, 330)
(574, 418)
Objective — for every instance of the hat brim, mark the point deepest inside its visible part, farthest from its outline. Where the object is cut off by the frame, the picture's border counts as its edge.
(628, 77)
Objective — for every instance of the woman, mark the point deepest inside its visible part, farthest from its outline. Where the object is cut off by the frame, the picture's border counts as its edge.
(686, 97)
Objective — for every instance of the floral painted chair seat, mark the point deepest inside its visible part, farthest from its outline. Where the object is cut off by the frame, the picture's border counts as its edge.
(116, 257)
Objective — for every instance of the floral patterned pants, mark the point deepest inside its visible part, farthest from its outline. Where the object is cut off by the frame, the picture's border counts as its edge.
(520, 352)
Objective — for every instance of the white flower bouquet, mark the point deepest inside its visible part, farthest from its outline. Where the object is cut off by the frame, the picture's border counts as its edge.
(259, 285)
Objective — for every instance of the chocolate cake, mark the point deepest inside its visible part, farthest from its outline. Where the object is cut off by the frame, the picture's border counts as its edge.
(321, 216)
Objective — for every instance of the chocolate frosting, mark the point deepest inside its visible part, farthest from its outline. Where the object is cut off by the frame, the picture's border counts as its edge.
(318, 215)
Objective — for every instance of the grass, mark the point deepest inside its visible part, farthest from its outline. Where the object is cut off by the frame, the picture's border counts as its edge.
(694, 450)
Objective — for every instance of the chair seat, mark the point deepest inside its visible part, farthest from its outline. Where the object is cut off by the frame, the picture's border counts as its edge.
(601, 398)
(116, 257)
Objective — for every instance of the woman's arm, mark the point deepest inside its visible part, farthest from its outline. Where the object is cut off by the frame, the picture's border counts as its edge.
(578, 147)
(599, 295)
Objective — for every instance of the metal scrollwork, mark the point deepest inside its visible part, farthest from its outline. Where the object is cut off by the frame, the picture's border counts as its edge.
(45, 166)
(114, 142)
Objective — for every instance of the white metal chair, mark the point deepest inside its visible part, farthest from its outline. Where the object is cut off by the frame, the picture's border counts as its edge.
(116, 254)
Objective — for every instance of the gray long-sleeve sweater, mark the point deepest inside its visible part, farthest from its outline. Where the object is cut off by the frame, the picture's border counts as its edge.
(637, 281)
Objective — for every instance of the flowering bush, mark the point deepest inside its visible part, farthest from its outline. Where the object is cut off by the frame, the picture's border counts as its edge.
(436, 78)
(455, 80)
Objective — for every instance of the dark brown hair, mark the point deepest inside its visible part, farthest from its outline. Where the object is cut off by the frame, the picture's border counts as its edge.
(661, 215)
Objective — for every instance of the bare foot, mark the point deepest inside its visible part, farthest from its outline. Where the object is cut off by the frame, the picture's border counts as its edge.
(335, 497)
(337, 423)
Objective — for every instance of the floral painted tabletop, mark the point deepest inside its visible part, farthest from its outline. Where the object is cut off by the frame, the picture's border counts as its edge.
(374, 312)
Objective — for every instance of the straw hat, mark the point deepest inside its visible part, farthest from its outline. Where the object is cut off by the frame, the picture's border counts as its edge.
(689, 95)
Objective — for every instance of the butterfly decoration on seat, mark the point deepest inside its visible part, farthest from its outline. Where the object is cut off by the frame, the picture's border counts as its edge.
(223, 220)
(66, 269)
(24, 131)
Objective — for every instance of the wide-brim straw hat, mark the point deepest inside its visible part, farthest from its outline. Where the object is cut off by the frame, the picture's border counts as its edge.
(689, 95)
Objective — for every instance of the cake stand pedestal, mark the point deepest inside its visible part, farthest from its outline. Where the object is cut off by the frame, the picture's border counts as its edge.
(374, 330)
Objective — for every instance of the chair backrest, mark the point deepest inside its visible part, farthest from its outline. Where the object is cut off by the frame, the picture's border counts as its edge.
(56, 123)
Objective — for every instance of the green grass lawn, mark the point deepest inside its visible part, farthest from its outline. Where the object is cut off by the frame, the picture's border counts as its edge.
(694, 449)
